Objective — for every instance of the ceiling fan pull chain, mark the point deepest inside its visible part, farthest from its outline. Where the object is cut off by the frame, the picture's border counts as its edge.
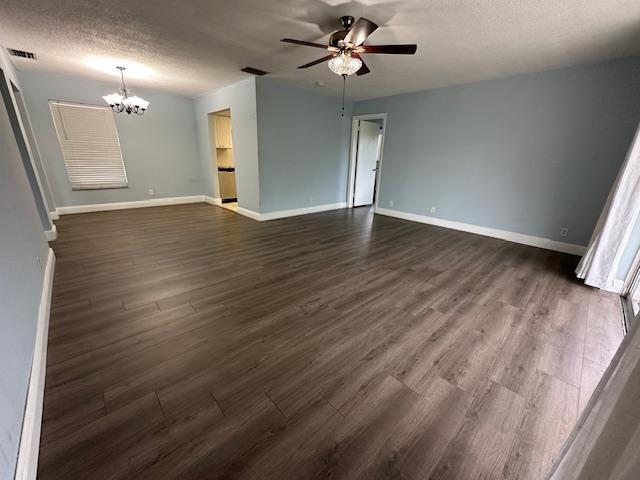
(344, 86)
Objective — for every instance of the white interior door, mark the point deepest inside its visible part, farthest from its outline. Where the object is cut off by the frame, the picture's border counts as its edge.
(366, 163)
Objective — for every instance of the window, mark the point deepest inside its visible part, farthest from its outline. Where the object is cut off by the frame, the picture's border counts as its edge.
(90, 146)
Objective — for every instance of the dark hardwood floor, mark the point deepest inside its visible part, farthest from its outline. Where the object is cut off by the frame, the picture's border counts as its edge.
(191, 342)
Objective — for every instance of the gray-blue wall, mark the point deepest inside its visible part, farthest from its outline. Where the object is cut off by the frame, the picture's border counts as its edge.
(527, 154)
(159, 148)
(23, 255)
(241, 99)
(303, 146)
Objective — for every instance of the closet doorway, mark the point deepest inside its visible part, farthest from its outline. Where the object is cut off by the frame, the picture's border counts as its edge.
(367, 140)
(223, 158)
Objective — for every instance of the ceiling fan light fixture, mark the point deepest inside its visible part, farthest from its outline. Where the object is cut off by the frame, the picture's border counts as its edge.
(345, 64)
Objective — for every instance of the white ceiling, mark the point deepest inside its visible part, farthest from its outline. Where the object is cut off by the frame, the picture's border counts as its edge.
(191, 46)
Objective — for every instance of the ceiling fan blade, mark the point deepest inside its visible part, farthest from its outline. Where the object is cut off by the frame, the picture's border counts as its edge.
(359, 32)
(316, 62)
(392, 49)
(363, 69)
(303, 42)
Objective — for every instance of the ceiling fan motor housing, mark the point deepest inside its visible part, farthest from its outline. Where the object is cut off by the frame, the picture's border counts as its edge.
(346, 22)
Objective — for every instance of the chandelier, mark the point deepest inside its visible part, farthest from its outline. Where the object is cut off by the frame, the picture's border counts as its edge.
(123, 102)
(344, 63)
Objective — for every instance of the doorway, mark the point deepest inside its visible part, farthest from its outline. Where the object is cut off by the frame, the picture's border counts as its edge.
(6, 90)
(223, 158)
(367, 142)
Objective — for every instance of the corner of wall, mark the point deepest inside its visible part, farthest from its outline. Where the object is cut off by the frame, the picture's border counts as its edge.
(240, 97)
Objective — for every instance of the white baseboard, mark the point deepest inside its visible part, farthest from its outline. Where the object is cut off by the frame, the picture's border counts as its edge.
(301, 211)
(263, 217)
(213, 200)
(530, 240)
(249, 213)
(52, 234)
(27, 465)
(155, 202)
(54, 216)
(616, 286)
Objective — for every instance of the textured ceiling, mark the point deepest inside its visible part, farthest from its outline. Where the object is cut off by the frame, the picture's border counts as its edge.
(192, 46)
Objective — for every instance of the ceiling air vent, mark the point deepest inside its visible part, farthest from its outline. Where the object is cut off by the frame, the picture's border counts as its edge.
(254, 71)
(21, 53)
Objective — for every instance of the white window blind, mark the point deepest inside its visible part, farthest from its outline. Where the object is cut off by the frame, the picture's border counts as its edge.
(90, 145)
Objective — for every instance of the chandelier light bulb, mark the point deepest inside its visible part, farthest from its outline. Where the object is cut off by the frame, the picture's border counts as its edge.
(113, 99)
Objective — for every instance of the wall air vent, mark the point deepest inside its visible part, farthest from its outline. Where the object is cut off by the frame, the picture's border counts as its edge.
(21, 53)
(254, 71)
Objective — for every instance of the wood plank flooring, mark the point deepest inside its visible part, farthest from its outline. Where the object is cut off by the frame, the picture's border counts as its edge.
(190, 342)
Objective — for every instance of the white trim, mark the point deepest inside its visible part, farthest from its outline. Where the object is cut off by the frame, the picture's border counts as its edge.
(52, 234)
(530, 240)
(27, 464)
(264, 217)
(630, 278)
(614, 286)
(25, 138)
(354, 150)
(302, 211)
(250, 214)
(54, 216)
(103, 207)
(615, 266)
(213, 200)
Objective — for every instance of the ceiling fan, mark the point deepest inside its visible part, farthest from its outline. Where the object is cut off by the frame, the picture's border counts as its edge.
(346, 47)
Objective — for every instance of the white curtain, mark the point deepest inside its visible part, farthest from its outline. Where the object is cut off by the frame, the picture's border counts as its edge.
(599, 265)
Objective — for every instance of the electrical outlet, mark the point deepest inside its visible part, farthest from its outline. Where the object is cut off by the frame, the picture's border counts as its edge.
(433, 210)
(564, 231)
(391, 203)
(151, 192)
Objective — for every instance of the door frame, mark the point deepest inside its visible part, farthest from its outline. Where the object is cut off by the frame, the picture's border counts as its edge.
(8, 91)
(632, 278)
(353, 152)
(214, 153)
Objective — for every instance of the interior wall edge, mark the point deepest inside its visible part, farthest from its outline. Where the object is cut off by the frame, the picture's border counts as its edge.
(249, 213)
(302, 211)
(240, 98)
(27, 464)
(303, 143)
(52, 234)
